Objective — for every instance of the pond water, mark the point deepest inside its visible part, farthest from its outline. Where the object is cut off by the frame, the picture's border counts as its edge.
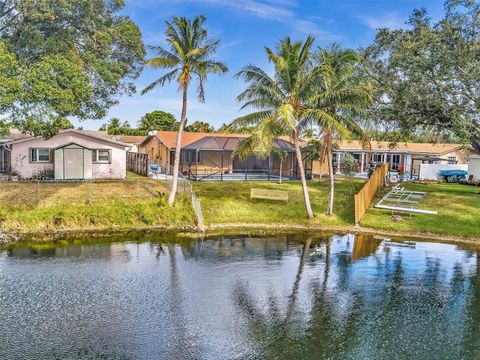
(236, 297)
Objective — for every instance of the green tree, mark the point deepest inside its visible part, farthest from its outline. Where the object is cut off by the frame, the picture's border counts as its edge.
(189, 57)
(73, 58)
(281, 103)
(427, 75)
(10, 84)
(158, 120)
(116, 127)
(200, 126)
(341, 93)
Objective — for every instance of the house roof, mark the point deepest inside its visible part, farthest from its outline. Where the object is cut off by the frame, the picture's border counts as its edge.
(130, 139)
(15, 134)
(99, 135)
(412, 148)
(210, 141)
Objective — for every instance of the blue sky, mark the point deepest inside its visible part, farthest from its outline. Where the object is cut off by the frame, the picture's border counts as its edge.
(245, 27)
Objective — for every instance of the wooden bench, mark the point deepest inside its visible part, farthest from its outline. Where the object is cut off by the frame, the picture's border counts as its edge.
(268, 194)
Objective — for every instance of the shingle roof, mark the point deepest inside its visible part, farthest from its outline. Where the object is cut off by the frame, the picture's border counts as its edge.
(212, 141)
(413, 148)
(130, 139)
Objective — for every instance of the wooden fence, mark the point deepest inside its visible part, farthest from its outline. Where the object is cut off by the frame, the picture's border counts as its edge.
(366, 195)
(138, 163)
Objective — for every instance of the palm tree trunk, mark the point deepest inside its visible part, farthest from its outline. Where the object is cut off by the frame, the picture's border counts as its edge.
(306, 197)
(331, 179)
(178, 147)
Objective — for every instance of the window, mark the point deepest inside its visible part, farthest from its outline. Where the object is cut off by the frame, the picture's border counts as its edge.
(40, 155)
(101, 156)
(452, 160)
(377, 158)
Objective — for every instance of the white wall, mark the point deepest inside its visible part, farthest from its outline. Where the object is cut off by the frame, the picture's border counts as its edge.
(430, 171)
(474, 166)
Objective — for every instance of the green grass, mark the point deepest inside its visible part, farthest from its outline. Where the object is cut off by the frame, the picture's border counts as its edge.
(229, 202)
(27, 207)
(458, 209)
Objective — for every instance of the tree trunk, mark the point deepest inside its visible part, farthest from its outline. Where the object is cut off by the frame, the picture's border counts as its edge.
(306, 197)
(280, 179)
(178, 147)
(331, 179)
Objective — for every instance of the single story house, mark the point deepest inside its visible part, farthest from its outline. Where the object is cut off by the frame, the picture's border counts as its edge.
(211, 156)
(474, 166)
(132, 141)
(402, 157)
(69, 155)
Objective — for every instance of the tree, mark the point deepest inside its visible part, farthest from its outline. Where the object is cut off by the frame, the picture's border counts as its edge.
(199, 126)
(189, 57)
(73, 58)
(158, 120)
(341, 93)
(427, 76)
(10, 84)
(116, 127)
(281, 103)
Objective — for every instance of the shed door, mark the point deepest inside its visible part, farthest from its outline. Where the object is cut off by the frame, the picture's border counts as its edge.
(73, 160)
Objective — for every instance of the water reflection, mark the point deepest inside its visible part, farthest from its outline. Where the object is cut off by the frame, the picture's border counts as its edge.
(282, 297)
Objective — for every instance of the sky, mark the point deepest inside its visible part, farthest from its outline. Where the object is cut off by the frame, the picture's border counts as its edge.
(245, 27)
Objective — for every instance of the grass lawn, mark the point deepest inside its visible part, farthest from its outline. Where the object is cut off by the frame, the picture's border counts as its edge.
(458, 209)
(105, 204)
(229, 202)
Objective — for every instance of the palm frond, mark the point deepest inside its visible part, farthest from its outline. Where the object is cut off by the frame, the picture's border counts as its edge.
(168, 77)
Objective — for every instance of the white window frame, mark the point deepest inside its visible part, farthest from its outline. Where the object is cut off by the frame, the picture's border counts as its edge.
(35, 158)
(95, 156)
(452, 160)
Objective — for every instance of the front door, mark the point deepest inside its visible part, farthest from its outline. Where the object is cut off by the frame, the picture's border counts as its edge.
(73, 160)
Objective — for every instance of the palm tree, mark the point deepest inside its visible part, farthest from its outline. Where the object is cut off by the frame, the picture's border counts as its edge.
(188, 57)
(280, 101)
(341, 94)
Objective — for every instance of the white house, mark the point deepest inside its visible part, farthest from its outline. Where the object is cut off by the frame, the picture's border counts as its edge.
(474, 166)
(71, 154)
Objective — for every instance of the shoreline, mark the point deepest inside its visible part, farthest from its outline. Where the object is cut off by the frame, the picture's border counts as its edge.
(223, 228)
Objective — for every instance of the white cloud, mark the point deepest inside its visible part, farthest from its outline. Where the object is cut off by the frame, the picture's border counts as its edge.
(390, 20)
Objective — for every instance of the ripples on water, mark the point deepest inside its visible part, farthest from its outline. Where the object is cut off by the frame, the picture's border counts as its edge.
(283, 297)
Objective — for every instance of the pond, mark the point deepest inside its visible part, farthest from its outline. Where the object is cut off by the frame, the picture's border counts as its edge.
(238, 297)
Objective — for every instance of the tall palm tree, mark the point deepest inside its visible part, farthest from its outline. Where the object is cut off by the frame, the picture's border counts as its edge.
(341, 93)
(188, 57)
(279, 101)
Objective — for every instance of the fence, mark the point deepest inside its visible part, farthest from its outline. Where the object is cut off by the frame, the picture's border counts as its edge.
(138, 163)
(16, 194)
(366, 195)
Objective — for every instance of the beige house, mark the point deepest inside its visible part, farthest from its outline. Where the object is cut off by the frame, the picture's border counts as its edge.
(211, 156)
(402, 157)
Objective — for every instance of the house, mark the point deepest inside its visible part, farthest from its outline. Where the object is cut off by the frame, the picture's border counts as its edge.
(132, 141)
(71, 154)
(474, 166)
(211, 156)
(402, 157)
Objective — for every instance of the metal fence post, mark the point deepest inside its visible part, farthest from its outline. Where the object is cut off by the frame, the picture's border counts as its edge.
(38, 192)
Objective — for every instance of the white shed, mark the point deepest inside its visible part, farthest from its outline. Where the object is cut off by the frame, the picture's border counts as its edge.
(73, 161)
(474, 166)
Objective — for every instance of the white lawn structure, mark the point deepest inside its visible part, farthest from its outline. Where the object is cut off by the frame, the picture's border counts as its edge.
(399, 199)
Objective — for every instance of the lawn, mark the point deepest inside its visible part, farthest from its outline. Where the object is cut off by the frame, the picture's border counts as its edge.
(229, 202)
(136, 202)
(458, 209)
